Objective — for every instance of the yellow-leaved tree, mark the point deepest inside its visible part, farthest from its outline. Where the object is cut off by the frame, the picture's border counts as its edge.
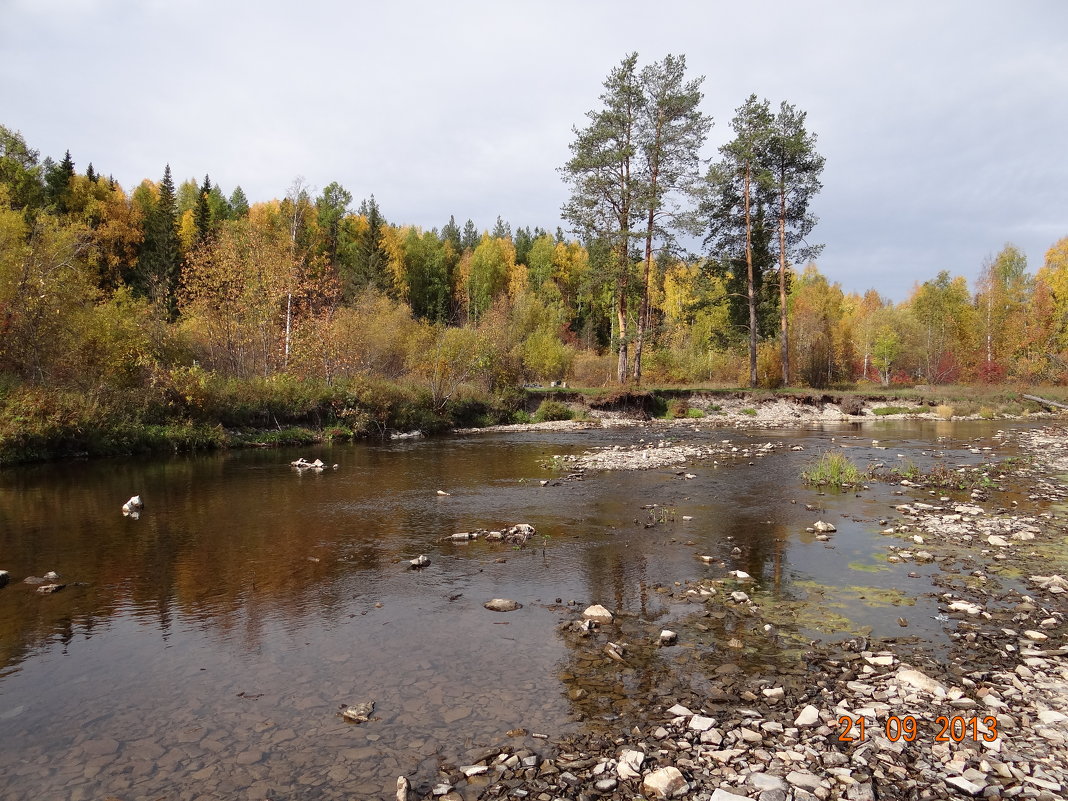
(236, 299)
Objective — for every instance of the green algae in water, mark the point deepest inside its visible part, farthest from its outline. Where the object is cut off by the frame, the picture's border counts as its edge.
(880, 596)
(868, 568)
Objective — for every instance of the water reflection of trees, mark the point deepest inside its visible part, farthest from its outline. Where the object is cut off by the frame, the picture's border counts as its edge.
(227, 543)
(619, 577)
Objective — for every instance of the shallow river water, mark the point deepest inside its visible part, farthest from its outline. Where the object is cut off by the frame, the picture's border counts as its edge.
(205, 649)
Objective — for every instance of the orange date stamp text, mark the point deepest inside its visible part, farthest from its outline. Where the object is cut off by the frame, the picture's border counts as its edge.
(945, 729)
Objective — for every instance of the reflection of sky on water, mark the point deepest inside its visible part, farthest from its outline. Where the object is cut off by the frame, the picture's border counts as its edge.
(248, 592)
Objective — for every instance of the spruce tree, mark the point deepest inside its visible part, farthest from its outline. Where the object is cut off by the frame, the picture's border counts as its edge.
(57, 184)
(159, 263)
(470, 237)
(238, 203)
(202, 212)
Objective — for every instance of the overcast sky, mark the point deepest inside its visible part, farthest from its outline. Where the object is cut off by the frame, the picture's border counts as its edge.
(944, 124)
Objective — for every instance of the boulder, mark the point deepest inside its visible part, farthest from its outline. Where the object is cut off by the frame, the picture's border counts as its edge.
(502, 605)
(668, 637)
(824, 527)
(598, 614)
(419, 562)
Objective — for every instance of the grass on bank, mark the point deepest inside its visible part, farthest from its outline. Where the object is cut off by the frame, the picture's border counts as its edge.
(188, 410)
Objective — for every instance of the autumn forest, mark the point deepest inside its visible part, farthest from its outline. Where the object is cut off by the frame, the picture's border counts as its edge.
(177, 311)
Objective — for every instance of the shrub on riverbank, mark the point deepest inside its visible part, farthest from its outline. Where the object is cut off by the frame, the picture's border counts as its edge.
(189, 409)
(552, 410)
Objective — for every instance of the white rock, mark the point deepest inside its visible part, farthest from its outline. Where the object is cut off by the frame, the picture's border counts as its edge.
(598, 614)
(502, 605)
(921, 681)
(679, 711)
(701, 723)
(630, 764)
(741, 575)
(668, 637)
(723, 795)
(665, 783)
(773, 692)
(419, 562)
(996, 541)
(1051, 716)
(806, 781)
(809, 716)
(765, 781)
(824, 527)
(965, 606)
(963, 784)
(1037, 636)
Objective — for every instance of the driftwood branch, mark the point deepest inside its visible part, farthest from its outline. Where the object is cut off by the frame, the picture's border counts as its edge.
(1044, 402)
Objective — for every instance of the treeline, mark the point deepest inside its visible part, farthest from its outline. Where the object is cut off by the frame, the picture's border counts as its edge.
(188, 302)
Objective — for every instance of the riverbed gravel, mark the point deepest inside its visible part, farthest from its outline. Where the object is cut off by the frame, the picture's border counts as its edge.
(859, 719)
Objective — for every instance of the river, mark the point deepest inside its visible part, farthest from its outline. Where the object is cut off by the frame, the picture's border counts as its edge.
(206, 648)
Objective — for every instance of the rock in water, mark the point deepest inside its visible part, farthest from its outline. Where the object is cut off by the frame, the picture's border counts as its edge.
(359, 713)
(668, 637)
(502, 605)
(519, 534)
(419, 562)
(402, 788)
(5, 577)
(598, 614)
(825, 528)
(133, 507)
(664, 783)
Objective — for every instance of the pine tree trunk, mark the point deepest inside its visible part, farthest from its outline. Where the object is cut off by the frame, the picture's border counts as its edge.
(785, 333)
(750, 281)
(621, 319)
(643, 314)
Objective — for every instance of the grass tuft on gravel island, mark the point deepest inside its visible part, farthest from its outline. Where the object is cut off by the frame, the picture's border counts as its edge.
(833, 469)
